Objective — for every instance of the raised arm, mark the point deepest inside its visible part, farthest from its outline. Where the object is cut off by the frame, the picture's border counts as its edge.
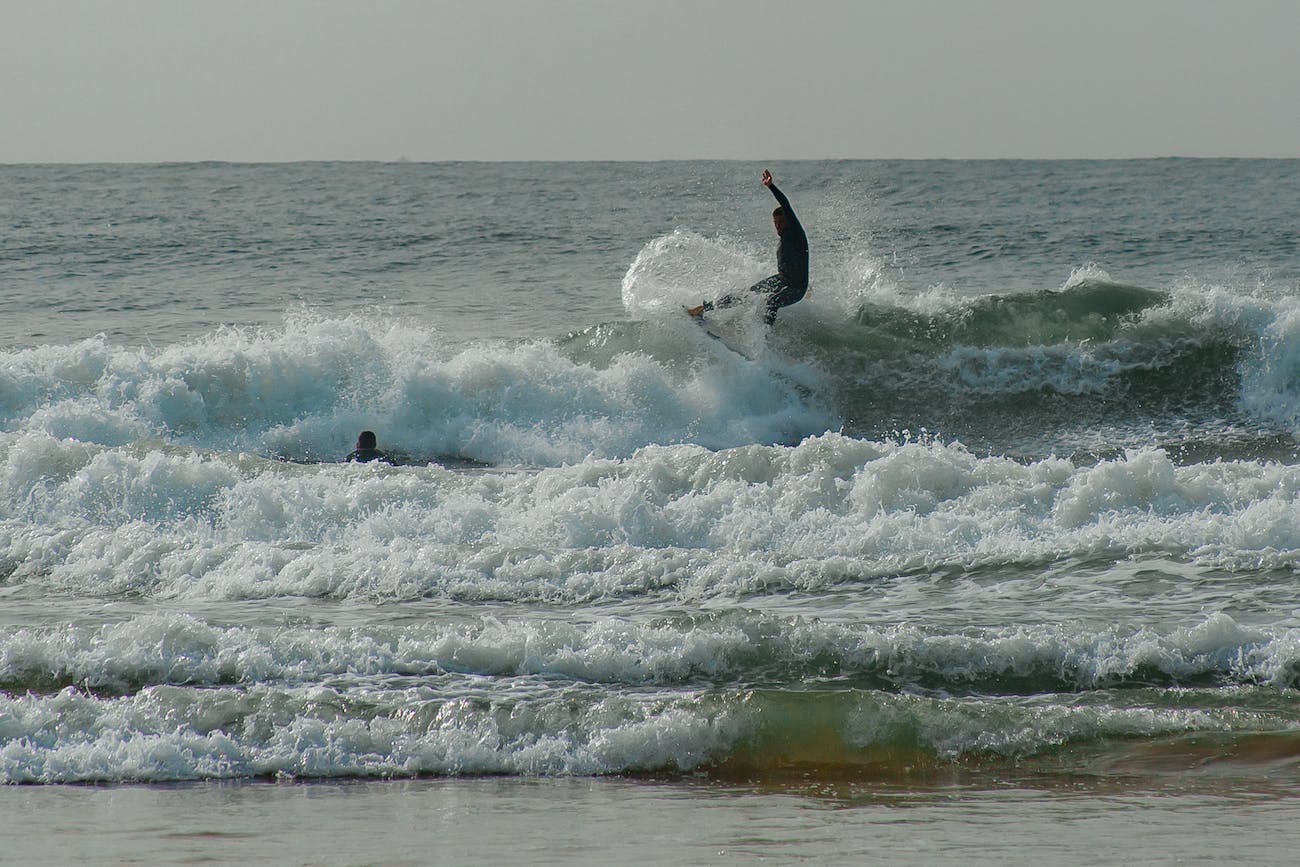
(780, 196)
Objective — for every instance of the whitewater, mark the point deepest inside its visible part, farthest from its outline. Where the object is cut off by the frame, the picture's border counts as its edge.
(1009, 504)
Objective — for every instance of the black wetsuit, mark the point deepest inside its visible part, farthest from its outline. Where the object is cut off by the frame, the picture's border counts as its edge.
(790, 282)
(365, 456)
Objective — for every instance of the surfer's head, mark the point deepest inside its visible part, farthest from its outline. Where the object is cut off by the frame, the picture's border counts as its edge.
(778, 219)
(366, 440)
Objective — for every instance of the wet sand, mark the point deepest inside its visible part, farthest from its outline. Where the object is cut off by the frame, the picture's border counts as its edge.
(591, 821)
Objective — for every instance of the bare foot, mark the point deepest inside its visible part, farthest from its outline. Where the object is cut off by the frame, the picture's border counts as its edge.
(697, 311)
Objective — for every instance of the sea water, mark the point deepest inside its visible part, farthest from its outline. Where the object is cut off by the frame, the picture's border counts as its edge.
(988, 542)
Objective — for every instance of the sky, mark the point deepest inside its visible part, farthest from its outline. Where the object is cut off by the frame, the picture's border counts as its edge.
(283, 80)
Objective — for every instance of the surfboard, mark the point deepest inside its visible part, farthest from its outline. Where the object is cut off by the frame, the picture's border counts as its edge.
(711, 328)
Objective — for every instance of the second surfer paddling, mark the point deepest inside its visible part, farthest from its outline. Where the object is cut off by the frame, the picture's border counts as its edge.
(790, 282)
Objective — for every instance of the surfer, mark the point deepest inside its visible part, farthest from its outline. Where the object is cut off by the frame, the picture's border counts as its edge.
(790, 283)
(367, 450)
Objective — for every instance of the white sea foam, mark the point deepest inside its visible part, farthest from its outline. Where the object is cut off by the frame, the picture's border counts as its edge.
(1271, 381)
(174, 733)
(318, 732)
(682, 269)
(179, 649)
(1089, 273)
(679, 519)
(1267, 327)
(304, 391)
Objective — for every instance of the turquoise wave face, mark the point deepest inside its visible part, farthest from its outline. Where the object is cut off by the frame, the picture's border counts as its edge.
(1091, 310)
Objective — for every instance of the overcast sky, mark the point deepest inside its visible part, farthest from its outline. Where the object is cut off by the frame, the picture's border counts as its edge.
(253, 80)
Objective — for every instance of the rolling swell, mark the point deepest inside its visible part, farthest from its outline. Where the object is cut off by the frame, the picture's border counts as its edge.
(1094, 366)
(1090, 310)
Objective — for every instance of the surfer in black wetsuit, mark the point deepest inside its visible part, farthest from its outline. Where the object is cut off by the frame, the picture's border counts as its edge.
(367, 450)
(790, 282)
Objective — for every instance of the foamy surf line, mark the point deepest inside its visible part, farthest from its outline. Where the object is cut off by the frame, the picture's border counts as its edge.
(678, 520)
(731, 649)
(303, 392)
(322, 732)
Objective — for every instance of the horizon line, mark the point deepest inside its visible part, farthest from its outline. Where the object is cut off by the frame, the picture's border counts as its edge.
(523, 161)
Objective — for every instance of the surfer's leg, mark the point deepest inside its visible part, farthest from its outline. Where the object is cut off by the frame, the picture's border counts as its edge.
(769, 287)
(724, 301)
(778, 294)
(762, 287)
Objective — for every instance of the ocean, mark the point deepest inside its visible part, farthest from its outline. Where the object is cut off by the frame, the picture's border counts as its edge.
(986, 551)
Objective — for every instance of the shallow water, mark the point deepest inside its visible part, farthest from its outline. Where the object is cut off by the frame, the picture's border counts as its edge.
(583, 820)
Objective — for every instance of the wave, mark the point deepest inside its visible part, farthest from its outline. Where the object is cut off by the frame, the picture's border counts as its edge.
(1092, 338)
(1094, 354)
(1095, 366)
(1086, 310)
(674, 521)
(820, 737)
(736, 649)
(327, 733)
(520, 699)
(303, 392)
